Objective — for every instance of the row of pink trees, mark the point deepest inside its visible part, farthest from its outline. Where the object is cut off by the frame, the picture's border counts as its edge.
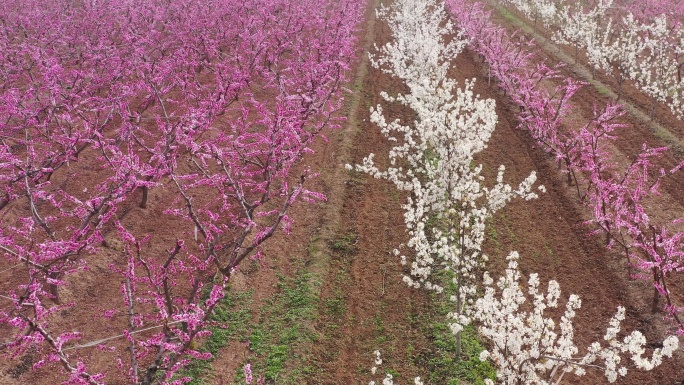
(615, 194)
(212, 104)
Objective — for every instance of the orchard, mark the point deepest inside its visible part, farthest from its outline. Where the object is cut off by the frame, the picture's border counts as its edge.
(337, 192)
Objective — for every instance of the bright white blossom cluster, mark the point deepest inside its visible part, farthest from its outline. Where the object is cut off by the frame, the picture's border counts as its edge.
(389, 379)
(543, 10)
(445, 214)
(648, 52)
(527, 346)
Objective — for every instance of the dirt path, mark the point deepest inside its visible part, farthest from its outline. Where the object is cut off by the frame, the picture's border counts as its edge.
(365, 306)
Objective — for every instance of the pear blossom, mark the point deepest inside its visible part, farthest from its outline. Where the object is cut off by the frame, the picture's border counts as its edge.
(433, 156)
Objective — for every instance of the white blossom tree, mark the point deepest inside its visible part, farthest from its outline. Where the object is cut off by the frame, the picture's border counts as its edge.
(433, 158)
(530, 347)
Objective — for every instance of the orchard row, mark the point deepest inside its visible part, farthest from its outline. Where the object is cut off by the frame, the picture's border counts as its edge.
(449, 203)
(208, 105)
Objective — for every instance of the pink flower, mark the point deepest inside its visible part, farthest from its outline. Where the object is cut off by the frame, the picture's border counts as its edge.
(248, 373)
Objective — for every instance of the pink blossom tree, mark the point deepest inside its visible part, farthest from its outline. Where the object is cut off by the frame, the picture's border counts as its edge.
(215, 106)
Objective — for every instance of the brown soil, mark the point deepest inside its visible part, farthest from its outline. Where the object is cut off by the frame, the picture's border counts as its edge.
(380, 310)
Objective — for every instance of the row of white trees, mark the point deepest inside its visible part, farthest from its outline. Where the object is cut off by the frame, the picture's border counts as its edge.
(433, 157)
(449, 203)
(647, 51)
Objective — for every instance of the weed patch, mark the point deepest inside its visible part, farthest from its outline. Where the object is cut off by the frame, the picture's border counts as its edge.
(344, 244)
(443, 365)
(283, 329)
(231, 318)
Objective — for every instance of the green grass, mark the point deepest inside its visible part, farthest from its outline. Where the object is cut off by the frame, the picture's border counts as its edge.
(513, 19)
(231, 316)
(601, 89)
(446, 369)
(493, 235)
(273, 341)
(344, 244)
(443, 364)
(335, 305)
(356, 178)
(283, 328)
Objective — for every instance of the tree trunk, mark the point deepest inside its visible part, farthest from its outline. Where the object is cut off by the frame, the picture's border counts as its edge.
(656, 293)
(458, 335)
(653, 108)
(143, 201)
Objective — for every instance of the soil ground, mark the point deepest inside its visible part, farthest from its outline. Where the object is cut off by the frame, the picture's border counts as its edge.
(343, 247)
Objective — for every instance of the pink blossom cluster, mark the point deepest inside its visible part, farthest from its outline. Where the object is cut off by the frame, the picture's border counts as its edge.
(615, 197)
(648, 10)
(101, 102)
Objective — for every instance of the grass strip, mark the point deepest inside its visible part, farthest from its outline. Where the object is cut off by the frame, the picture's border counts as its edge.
(231, 317)
(284, 330)
(444, 366)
